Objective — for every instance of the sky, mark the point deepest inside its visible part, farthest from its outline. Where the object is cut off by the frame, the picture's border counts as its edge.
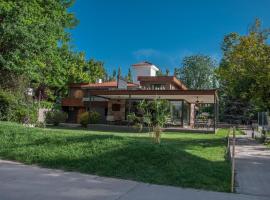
(123, 32)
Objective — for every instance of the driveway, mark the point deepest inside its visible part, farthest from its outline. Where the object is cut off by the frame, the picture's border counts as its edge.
(252, 166)
(18, 181)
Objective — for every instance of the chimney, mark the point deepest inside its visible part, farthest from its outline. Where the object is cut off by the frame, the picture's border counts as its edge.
(143, 69)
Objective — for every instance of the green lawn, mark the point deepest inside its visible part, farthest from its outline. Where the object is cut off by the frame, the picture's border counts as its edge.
(182, 159)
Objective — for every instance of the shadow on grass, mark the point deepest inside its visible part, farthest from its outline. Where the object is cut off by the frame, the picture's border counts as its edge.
(134, 158)
(147, 163)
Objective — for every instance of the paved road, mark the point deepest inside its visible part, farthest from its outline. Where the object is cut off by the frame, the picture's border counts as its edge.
(21, 182)
(252, 167)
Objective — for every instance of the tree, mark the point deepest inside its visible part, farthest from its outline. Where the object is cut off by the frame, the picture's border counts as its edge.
(129, 76)
(119, 73)
(167, 72)
(198, 72)
(113, 77)
(153, 114)
(95, 70)
(160, 73)
(34, 46)
(244, 71)
(176, 73)
(32, 36)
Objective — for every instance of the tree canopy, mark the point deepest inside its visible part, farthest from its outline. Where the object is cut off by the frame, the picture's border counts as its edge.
(35, 45)
(197, 72)
(244, 71)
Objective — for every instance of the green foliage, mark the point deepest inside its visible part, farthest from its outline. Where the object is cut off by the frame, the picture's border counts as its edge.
(95, 70)
(129, 76)
(46, 104)
(153, 114)
(197, 72)
(94, 117)
(55, 117)
(14, 107)
(167, 72)
(159, 73)
(244, 71)
(84, 119)
(113, 78)
(35, 46)
(183, 159)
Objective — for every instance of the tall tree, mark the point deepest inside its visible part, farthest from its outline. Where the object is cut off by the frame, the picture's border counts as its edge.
(113, 77)
(245, 67)
(129, 76)
(176, 73)
(34, 46)
(198, 72)
(32, 35)
(95, 70)
(119, 73)
(167, 72)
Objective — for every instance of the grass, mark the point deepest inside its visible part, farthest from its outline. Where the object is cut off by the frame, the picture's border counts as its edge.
(182, 159)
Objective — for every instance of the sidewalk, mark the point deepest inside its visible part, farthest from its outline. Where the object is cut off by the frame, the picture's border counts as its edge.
(18, 181)
(252, 167)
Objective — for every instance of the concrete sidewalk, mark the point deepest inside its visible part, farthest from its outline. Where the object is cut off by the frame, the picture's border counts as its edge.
(252, 166)
(18, 181)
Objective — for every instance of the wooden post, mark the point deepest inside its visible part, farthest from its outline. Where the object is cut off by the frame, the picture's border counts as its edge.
(228, 141)
(233, 161)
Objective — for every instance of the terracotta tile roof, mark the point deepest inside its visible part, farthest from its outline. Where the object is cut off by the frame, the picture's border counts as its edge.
(109, 84)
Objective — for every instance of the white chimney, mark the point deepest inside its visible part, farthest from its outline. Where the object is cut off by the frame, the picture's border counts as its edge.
(143, 69)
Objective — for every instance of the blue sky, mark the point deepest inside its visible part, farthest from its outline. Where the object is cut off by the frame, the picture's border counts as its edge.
(123, 32)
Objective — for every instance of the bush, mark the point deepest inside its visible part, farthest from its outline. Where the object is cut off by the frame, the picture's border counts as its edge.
(14, 107)
(84, 119)
(94, 117)
(55, 117)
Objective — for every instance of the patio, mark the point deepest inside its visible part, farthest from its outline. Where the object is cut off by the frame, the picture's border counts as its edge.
(185, 115)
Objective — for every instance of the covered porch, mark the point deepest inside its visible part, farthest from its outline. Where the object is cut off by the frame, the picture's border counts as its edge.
(184, 106)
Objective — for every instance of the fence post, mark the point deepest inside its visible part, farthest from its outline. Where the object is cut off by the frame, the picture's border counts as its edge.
(228, 143)
(233, 161)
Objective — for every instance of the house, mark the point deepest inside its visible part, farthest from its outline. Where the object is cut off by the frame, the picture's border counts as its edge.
(114, 100)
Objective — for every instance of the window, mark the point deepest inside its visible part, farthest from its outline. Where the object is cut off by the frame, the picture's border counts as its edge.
(116, 107)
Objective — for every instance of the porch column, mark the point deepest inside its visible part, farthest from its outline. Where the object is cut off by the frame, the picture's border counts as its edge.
(192, 115)
(129, 106)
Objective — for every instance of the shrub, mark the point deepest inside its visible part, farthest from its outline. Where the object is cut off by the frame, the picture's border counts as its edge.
(14, 107)
(84, 119)
(55, 117)
(94, 117)
(154, 114)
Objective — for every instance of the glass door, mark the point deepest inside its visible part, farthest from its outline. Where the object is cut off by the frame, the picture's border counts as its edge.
(176, 112)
